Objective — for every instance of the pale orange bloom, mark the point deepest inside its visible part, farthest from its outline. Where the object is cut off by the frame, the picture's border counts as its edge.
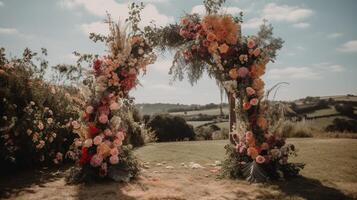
(258, 84)
(223, 48)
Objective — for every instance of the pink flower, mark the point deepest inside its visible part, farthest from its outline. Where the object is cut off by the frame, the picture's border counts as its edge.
(132, 71)
(75, 125)
(117, 142)
(96, 160)
(120, 135)
(256, 52)
(97, 140)
(114, 152)
(89, 109)
(250, 91)
(114, 160)
(249, 135)
(243, 72)
(254, 101)
(250, 43)
(103, 119)
(260, 159)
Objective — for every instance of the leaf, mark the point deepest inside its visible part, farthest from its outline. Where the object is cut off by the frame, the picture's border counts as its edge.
(253, 172)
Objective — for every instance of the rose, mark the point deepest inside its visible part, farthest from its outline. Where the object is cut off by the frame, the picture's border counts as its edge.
(258, 84)
(117, 142)
(254, 101)
(211, 37)
(223, 48)
(89, 109)
(250, 91)
(246, 106)
(250, 43)
(243, 72)
(120, 135)
(97, 140)
(260, 159)
(252, 152)
(256, 52)
(114, 152)
(114, 106)
(103, 119)
(114, 160)
(96, 160)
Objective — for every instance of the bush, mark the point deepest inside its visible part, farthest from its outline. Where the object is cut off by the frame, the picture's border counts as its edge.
(35, 123)
(345, 109)
(170, 128)
(342, 125)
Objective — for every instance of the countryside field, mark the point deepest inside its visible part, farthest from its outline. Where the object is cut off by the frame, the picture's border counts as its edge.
(330, 173)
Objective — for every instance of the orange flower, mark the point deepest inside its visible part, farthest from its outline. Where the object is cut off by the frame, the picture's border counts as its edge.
(213, 47)
(258, 84)
(211, 37)
(252, 152)
(257, 70)
(223, 48)
(103, 150)
(262, 122)
(233, 73)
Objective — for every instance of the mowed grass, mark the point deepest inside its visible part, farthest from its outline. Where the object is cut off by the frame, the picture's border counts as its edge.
(328, 160)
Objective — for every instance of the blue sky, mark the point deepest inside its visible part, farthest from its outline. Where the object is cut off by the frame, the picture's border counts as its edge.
(318, 58)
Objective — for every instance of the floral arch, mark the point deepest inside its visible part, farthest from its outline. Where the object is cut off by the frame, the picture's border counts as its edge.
(211, 43)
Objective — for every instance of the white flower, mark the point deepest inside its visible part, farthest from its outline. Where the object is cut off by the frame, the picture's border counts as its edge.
(141, 51)
(88, 143)
(50, 120)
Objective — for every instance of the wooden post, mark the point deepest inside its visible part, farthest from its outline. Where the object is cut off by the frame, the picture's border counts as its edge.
(232, 114)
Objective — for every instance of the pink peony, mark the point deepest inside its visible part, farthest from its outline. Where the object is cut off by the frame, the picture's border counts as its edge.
(96, 160)
(89, 109)
(243, 72)
(256, 52)
(250, 43)
(103, 119)
(250, 91)
(114, 152)
(97, 140)
(260, 159)
(254, 101)
(114, 160)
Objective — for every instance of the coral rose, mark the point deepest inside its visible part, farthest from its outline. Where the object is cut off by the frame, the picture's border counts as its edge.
(114, 152)
(252, 152)
(260, 159)
(211, 37)
(246, 106)
(256, 52)
(103, 119)
(233, 73)
(223, 48)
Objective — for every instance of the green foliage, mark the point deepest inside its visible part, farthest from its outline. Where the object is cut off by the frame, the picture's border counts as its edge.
(170, 128)
(342, 125)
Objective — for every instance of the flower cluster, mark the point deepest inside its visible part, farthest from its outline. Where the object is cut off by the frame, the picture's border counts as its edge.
(102, 131)
(239, 62)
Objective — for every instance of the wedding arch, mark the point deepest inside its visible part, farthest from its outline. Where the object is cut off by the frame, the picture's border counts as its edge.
(211, 43)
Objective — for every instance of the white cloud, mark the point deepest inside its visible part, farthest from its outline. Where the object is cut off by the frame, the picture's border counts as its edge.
(119, 11)
(281, 13)
(350, 47)
(201, 10)
(309, 72)
(95, 27)
(334, 35)
(285, 13)
(294, 73)
(301, 25)
(9, 31)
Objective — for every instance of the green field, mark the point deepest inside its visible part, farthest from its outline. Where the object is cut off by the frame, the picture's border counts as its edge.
(215, 111)
(329, 160)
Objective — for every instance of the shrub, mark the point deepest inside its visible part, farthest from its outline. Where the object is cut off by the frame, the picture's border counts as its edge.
(342, 125)
(35, 123)
(170, 128)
